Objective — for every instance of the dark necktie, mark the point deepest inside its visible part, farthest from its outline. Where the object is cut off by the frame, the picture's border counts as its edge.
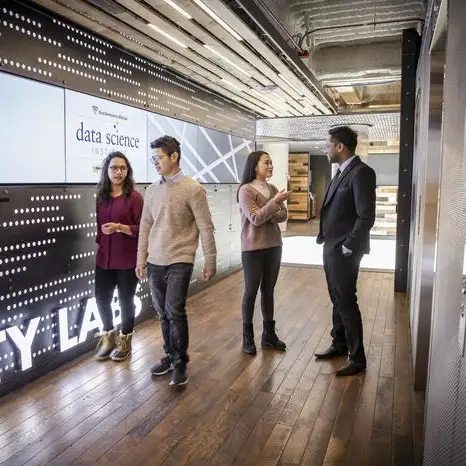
(333, 184)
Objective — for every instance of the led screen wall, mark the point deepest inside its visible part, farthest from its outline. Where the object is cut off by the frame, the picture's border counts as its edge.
(55, 135)
(31, 131)
(95, 127)
(206, 154)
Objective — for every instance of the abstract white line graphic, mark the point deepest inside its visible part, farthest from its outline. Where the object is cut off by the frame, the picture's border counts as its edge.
(234, 159)
(162, 131)
(222, 157)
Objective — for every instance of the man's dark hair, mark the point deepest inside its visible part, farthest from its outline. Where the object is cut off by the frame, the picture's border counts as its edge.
(346, 136)
(168, 144)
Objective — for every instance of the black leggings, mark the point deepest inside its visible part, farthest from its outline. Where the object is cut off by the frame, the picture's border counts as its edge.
(261, 267)
(105, 283)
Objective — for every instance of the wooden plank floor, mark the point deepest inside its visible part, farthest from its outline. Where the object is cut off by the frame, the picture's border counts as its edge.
(275, 408)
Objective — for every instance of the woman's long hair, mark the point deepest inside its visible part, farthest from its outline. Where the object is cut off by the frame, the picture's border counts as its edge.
(104, 187)
(249, 173)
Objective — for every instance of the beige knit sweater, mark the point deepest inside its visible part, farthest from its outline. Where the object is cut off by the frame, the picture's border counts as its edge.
(173, 218)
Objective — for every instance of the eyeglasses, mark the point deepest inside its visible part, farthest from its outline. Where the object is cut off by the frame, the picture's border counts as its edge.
(115, 168)
(155, 159)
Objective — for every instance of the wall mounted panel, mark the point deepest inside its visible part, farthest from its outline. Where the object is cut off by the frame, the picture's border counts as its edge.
(47, 261)
(94, 128)
(48, 313)
(31, 131)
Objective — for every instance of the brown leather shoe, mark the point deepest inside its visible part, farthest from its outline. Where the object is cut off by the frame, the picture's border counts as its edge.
(331, 352)
(350, 368)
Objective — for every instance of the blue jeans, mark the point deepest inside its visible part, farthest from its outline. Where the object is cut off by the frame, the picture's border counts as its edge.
(169, 286)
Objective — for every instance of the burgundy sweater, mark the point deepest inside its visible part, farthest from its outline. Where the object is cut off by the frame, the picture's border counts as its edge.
(259, 219)
(119, 250)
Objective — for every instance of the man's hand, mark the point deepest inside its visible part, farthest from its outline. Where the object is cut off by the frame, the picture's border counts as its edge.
(208, 274)
(141, 271)
(109, 228)
(346, 252)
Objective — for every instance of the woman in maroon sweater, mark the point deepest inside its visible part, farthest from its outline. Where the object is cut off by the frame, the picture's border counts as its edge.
(119, 210)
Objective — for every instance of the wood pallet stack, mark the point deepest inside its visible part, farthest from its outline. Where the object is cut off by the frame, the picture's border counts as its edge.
(298, 169)
(385, 211)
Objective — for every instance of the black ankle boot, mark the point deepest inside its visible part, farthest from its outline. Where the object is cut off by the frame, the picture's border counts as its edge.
(249, 347)
(270, 339)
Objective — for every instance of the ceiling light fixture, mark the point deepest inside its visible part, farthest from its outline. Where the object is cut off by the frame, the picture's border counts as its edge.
(309, 101)
(168, 36)
(289, 84)
(208, 47)
(218, 19)
(265, 98)
(271, 97)
(178, 9)
(232, 84)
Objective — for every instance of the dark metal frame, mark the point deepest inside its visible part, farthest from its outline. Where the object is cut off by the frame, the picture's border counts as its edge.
(410, 54)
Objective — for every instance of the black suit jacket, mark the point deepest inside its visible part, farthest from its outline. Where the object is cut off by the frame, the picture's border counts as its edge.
(348, 210)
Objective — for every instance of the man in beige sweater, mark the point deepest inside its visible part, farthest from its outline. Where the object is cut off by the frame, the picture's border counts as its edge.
(175, 214)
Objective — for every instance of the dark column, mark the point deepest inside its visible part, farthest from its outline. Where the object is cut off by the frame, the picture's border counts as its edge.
(409, 58)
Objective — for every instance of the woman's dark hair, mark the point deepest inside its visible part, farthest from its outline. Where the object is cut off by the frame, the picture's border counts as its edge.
(104, 187)
(249, 172)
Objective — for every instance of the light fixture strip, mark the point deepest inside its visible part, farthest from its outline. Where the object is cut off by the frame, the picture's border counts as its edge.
(178, 9)
(168, 36)
(208, 47)
(268, 100)
(217, 19)
(229, 83)
(289, 84)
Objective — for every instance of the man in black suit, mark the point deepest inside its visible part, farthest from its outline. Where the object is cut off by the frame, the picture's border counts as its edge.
(346, 217)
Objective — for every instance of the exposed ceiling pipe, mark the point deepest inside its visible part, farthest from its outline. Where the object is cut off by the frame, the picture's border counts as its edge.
(354, 25)
(279, 24)
(364, 84)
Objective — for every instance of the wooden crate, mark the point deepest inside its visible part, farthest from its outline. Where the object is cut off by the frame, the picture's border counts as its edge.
(298, 170)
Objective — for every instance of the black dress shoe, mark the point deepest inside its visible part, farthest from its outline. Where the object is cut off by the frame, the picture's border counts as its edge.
(331, 352)
(350, 368)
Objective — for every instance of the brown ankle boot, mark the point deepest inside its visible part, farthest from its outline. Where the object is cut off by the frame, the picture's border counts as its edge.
(123, 348)
(106, 345)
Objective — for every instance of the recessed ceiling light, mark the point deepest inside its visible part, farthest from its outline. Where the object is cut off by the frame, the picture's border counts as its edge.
(231, 84)
(178, 9)
(208, 47)
(289, 84)
(168, 36)
(218, 19)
